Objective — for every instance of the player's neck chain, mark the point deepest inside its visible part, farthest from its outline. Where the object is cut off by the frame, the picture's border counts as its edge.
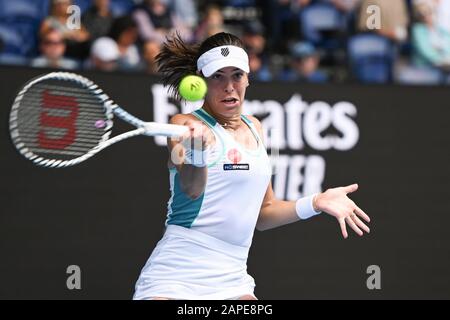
(229, 126)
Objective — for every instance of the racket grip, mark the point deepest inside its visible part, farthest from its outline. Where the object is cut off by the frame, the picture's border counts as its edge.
(163, 129)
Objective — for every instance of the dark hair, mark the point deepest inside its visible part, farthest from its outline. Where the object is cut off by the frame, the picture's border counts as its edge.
(120, 25)
(178, 59)
(46, 32)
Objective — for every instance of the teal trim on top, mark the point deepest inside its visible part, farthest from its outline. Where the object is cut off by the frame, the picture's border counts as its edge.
(252, 127)
(184, 210)
(208, 118)
(211, 122)
(246, 120)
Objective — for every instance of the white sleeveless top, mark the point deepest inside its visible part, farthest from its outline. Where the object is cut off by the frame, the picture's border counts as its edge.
(236, 184)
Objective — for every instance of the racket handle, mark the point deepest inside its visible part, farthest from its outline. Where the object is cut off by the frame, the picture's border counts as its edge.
(163, 129)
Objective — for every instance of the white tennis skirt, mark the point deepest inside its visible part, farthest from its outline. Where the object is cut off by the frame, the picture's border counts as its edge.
(188, 264)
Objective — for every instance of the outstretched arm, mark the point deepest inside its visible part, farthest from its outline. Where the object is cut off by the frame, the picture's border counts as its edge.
(334, 201)
(275, 213)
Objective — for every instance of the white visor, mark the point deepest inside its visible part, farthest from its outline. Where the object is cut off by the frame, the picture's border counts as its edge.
(221, 57)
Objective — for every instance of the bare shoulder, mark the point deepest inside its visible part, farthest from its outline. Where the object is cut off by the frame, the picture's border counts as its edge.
(181, 118)
(256, 122)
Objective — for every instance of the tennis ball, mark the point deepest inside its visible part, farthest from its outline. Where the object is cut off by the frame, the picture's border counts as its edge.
(192, 88)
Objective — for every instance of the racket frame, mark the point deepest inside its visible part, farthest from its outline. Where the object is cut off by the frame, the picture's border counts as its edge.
(110, 109)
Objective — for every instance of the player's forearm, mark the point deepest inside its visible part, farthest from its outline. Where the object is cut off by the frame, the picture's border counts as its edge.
(275, 214)
(193, 180)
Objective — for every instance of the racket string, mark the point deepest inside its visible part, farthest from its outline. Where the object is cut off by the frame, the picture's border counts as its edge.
(61, 121)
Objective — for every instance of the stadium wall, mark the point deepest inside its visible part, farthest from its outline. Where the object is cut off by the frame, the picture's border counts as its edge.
(106, 214)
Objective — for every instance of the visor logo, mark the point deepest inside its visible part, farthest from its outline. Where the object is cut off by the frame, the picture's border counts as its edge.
(225, 51)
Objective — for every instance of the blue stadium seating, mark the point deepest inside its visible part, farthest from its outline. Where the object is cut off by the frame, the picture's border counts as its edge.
(23, 9)
(318, 18)
(13, 59)
(121, 7)
(83, 4)
(371, 57)
(19, 38)
(118, 7)
(240, 3)
(11, 38)
(419, 75)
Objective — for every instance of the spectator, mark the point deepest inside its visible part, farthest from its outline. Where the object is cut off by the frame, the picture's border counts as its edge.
(304, 66)
(281, 17)
(345, 5)
(254, 43)
(98, 19)
(186, 10)
(52, 47)
(77, 40)
(155, 21)
(259, 69)
(297, 5)
(393, 17)
(150, 51)
(348, 8)
(212, 23)
(431, 42)
(124, 33)
(253, 37)
(104, 55)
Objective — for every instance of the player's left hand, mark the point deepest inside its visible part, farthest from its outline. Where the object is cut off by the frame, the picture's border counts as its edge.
(335, 202)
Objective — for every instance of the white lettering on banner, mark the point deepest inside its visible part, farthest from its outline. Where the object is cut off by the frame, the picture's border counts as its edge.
(293, 126)
(274, 154)
(273, 124)
(305, 171)
(281, 167)
(305, 123)
(190, 106)
(298, 171)
(314, 175)
(162, 109)
(296, 164)
(343, 112)
(320, 116)
(317, 119)
(294, 110)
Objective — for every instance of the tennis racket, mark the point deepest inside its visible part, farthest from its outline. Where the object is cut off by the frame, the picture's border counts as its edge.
(61, 119)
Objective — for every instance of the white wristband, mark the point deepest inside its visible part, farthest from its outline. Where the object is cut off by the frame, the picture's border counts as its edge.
(196, 158)
(304, 207)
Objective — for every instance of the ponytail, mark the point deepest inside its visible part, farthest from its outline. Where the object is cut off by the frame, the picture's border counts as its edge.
(176, 60)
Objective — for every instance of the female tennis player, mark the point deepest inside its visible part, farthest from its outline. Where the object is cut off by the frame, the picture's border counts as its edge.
(220, 186)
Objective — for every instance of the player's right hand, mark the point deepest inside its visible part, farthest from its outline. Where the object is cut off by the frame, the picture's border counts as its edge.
(199, 136)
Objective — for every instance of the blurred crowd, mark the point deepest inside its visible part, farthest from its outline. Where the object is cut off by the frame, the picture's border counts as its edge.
(369, 41)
